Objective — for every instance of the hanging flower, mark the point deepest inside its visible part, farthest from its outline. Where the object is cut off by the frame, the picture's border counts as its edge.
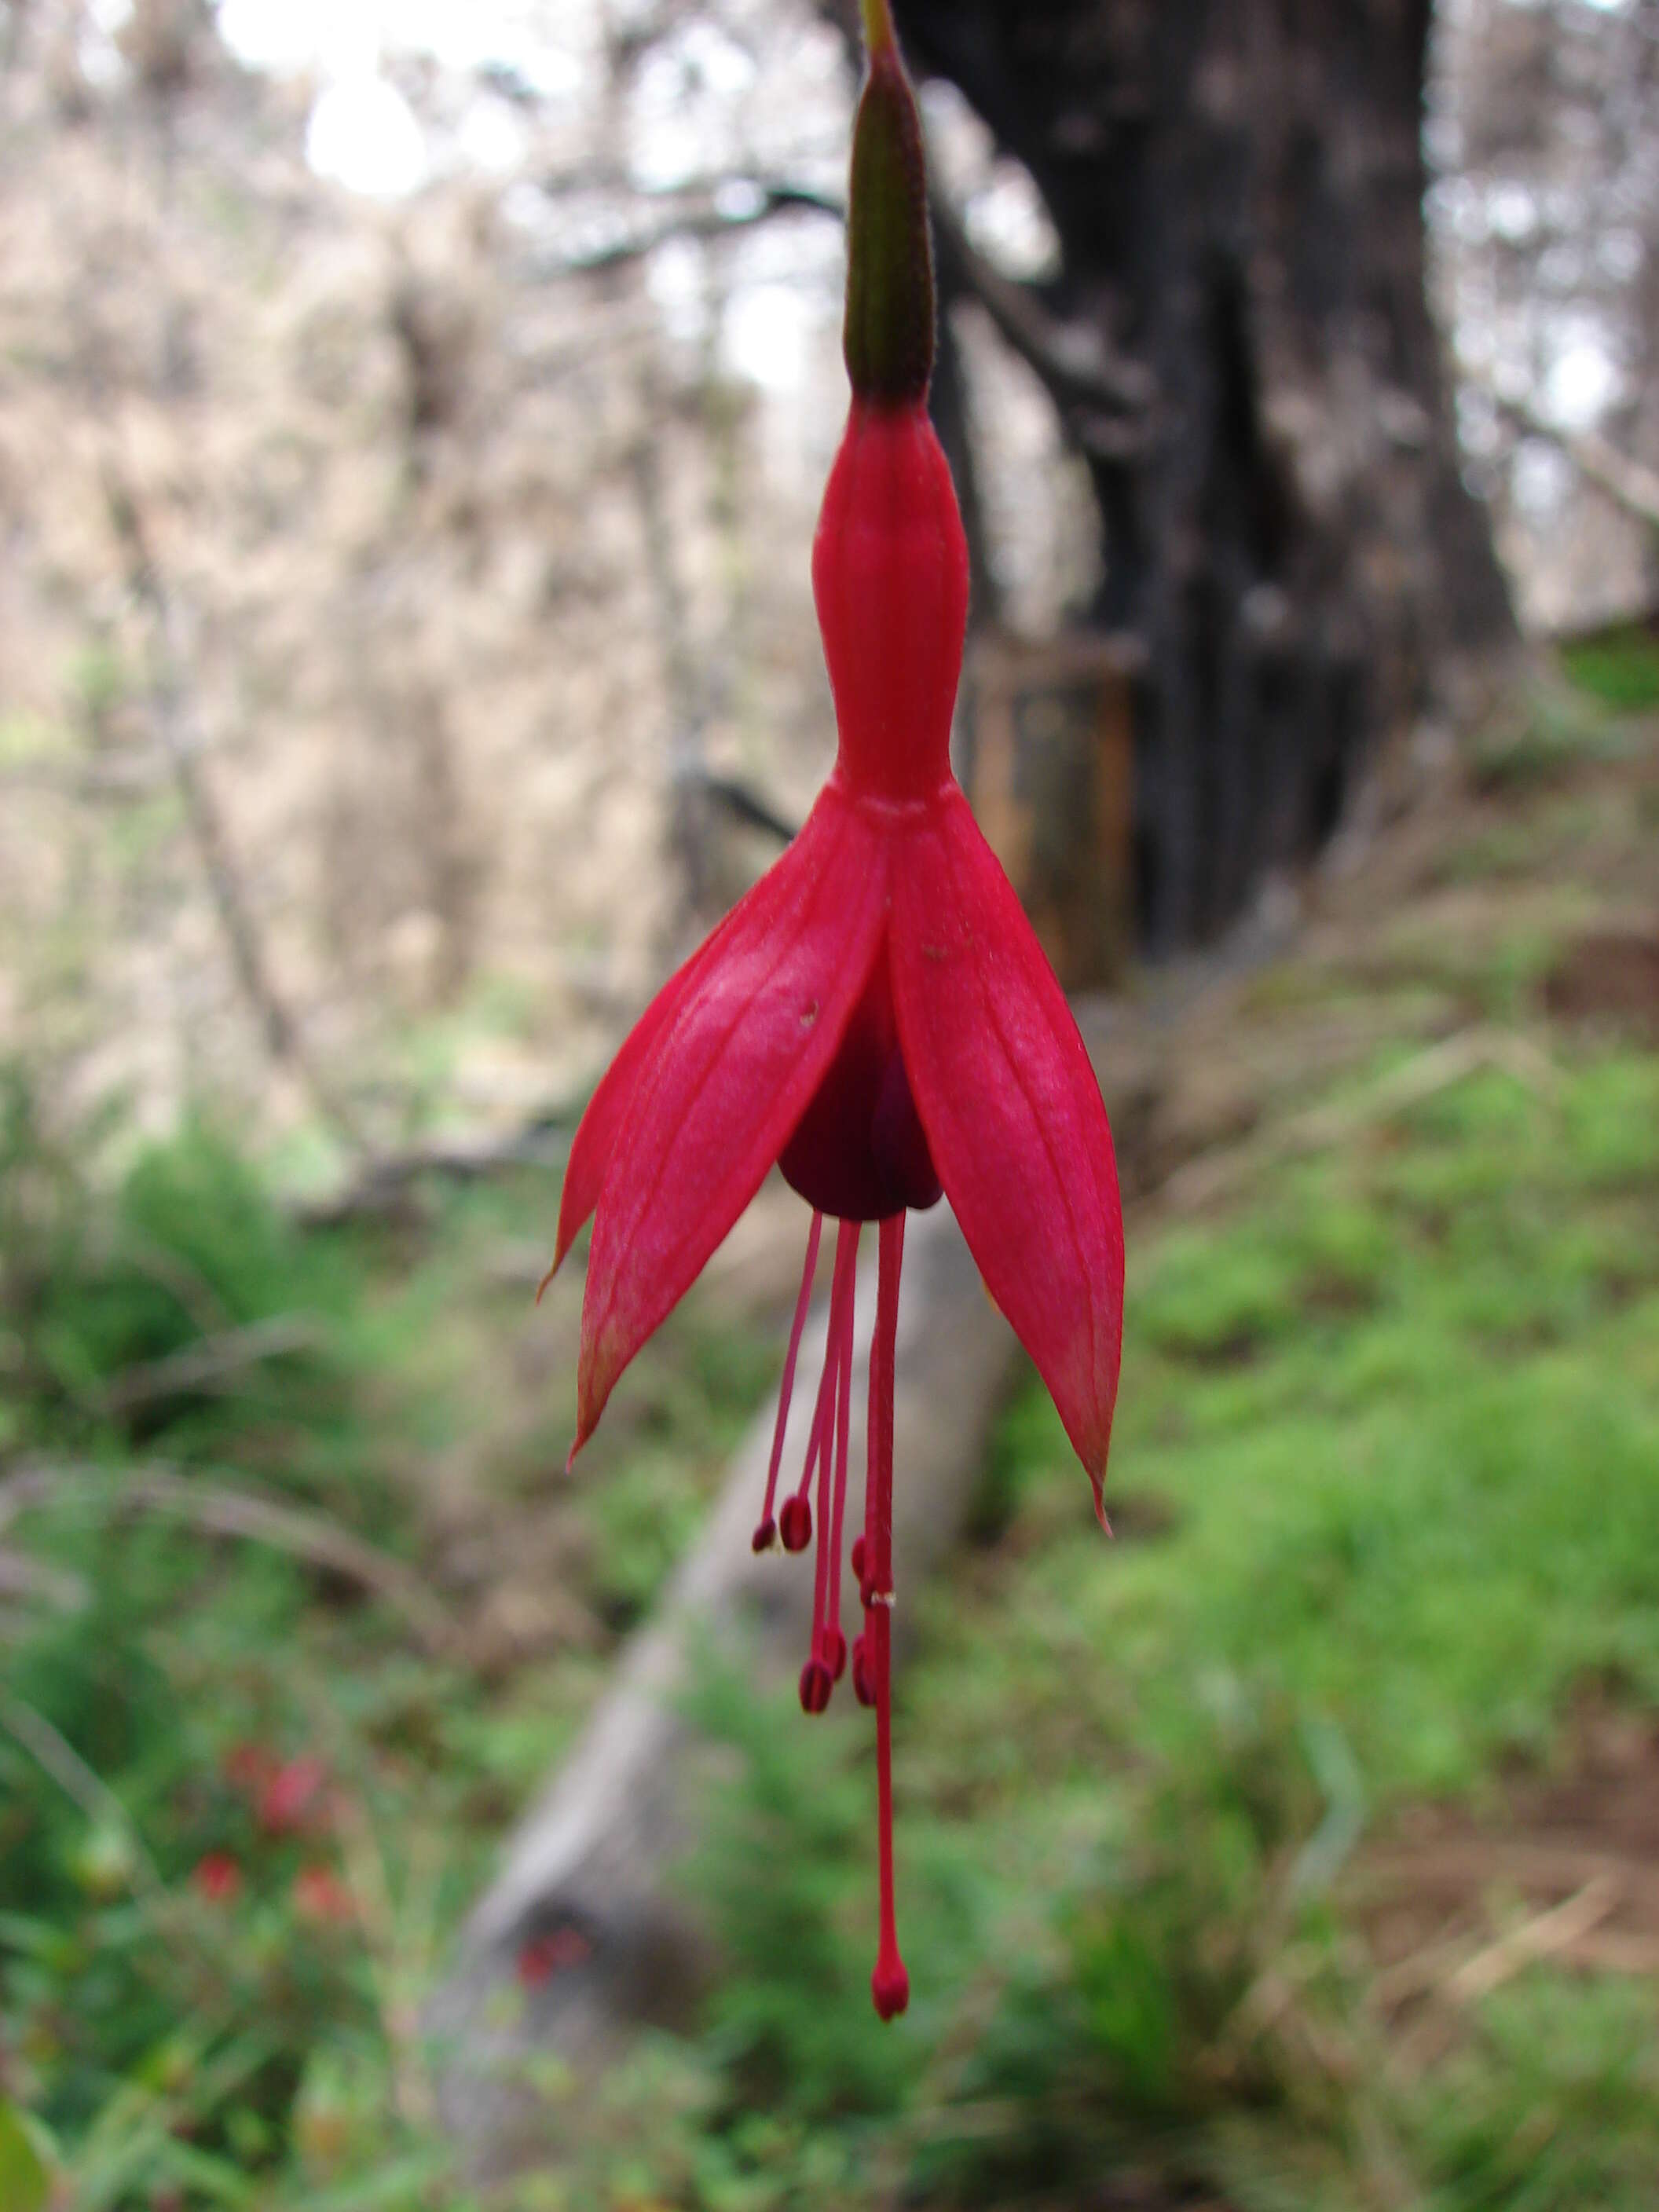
(875, 1016)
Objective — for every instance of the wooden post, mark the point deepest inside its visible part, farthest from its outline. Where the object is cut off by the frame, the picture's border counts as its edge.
(1048, 764)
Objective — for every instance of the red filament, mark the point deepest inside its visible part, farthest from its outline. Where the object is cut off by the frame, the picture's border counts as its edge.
(871, 1561)
(768, 1527)
(832, 1463)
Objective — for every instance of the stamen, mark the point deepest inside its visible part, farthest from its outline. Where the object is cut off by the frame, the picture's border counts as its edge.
(826, 1476)
(889, 1984)
(833, 1643)
(795, 1516)
(765, 1533)
(830, 1443)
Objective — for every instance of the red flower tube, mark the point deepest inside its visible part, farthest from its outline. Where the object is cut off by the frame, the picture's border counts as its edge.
(875, 1016)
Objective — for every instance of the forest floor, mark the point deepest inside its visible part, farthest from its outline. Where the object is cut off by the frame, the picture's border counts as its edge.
(1297, 1850)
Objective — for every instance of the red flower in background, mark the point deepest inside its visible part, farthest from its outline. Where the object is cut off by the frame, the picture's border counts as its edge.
(319, 1896)
(290, 1800)
(875, 1016)
(217, 1878)
(555, 1952)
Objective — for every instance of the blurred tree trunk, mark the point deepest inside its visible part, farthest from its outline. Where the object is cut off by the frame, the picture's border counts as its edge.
(1248, 362)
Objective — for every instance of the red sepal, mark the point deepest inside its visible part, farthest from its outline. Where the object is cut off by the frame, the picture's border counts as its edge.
(596, 1134)
(1013, 1115)
(725, 1080)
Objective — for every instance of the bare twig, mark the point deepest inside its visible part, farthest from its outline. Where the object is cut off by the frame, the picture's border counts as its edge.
(683, 678)
(212, 1364)
(1607, 1951)
(1086, 381)
(1202, 1181)
(1629, 483)
(221, 1510)
(703, 217)
(171, 1272)
(1542, 1937)
(1455, 1870)
(182, 744)
(746, 805)
(57, 1756)
(23, 1577)
(1069, 359)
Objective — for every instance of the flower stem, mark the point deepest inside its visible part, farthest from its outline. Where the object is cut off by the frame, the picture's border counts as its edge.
(888, 335)
(877, 27)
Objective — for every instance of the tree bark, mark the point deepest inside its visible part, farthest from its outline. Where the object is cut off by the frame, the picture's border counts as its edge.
(1237, 186)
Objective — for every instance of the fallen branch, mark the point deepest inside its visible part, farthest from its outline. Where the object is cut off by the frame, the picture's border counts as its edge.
(596, 1855)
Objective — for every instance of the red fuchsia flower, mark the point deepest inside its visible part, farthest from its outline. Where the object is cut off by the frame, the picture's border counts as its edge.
(291, 1800)
(217, 1878)
(554, 1952)
(875, 1016)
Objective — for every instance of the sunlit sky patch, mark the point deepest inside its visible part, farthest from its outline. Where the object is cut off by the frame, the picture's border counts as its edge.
(363, 133)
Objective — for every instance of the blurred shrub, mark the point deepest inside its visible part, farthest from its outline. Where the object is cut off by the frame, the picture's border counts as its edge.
(1621, 667)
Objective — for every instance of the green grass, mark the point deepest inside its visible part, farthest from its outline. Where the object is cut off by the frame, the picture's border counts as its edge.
(224, 2050)
(1621, 667)
(1392, 1429)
